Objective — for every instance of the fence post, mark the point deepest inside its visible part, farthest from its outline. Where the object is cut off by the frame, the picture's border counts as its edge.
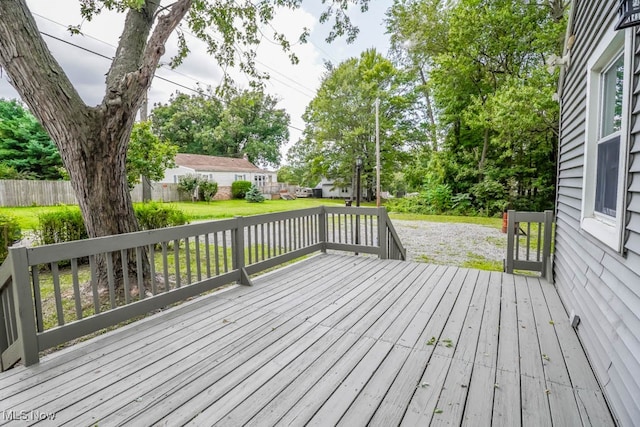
(546, 248)
(322, 229)
(511, 232)
(382, 233)
(25, 319)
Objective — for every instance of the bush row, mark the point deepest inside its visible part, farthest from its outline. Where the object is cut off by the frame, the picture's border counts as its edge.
(67, 224)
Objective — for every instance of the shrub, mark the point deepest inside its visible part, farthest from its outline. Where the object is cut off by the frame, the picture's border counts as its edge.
(239, 189)
(438, 198)
(154, 215)
(461, 204)
(188, 183)
(10, 233)
(61, 226)
(490, 197)
(207, 190)
(254, 195)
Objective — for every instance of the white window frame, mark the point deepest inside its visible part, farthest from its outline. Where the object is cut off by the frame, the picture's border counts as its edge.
(607, 229)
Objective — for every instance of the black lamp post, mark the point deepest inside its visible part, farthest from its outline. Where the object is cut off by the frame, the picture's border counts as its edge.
(628, 14)
(358, 171)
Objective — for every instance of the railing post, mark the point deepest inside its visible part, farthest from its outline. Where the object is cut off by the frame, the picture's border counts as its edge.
(238, 252)
(511, 228)
(322, 229)
(382, 233)
(546, 248)
(25, 319)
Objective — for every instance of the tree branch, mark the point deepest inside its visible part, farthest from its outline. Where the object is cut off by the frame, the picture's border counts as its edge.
(34, 72)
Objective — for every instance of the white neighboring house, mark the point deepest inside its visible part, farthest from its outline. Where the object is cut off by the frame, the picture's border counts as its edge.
(223, 170)
(330, 191)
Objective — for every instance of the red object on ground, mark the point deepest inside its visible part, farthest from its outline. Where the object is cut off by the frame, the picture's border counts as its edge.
(505, 221)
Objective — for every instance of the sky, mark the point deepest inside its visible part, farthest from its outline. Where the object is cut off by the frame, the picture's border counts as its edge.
(294, 85)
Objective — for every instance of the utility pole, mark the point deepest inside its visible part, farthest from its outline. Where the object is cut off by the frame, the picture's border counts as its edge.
(377, 153)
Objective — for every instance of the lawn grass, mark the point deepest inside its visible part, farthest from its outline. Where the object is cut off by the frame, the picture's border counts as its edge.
(196, 211)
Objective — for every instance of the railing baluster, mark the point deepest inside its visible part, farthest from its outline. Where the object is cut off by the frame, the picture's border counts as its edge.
(35, 278)
(76, 288)
(249, 248)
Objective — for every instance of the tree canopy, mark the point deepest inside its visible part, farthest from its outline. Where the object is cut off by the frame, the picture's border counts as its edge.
(340, 123)
(25, 147)
(148, 155)
(241, 122)
(483, 64)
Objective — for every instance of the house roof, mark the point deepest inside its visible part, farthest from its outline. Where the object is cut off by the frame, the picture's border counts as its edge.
(202, 163)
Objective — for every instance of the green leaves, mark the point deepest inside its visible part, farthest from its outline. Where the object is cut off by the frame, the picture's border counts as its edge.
(25, 147)
(148, 155)
(244, 122)
(340, 123)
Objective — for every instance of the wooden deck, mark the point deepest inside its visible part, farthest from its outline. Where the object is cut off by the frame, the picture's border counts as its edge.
(330, 340)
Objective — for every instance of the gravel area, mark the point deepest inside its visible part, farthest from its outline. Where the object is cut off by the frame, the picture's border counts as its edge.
(451, 243)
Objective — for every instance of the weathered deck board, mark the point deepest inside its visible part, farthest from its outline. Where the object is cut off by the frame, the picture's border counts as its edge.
(330, 340)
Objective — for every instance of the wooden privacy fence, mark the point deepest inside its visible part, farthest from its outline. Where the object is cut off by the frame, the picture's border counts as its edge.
(529, 236)
(52, 294)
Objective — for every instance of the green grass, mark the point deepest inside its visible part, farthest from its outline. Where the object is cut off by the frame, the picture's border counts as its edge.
(28, 216)
(479, 262)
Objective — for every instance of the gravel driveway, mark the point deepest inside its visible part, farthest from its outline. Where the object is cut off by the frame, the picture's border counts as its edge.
(451, 243)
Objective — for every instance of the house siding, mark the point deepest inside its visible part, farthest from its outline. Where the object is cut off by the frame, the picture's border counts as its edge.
(597, 283)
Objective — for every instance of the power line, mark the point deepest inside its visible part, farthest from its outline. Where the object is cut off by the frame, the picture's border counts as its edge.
(310, 93)
(111, 59)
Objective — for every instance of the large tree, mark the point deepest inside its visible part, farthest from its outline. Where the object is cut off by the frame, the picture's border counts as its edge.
(485, 63)
(340, 123)
(242, 122)
(93, 140)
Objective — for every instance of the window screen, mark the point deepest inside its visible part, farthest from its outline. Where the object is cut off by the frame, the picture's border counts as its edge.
(607, 176)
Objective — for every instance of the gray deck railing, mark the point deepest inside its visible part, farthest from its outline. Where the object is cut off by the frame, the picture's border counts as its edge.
(529, 236)
(55, 293)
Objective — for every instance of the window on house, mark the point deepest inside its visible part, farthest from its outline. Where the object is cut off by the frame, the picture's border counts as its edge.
(608, 151)
(608, 93)
(239, 178)
(260, 180)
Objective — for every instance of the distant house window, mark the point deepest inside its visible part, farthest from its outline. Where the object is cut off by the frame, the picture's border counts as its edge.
(607, 121)
(260, 180)
(239, 178)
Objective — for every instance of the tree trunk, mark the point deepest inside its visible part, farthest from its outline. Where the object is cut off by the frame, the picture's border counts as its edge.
(92, 141)
(485, 148)
(432, 120)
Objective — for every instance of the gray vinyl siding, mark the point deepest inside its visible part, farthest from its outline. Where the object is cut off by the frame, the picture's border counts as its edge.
(600, 285)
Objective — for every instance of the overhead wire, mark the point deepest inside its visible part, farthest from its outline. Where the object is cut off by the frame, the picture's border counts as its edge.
(93, 52)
